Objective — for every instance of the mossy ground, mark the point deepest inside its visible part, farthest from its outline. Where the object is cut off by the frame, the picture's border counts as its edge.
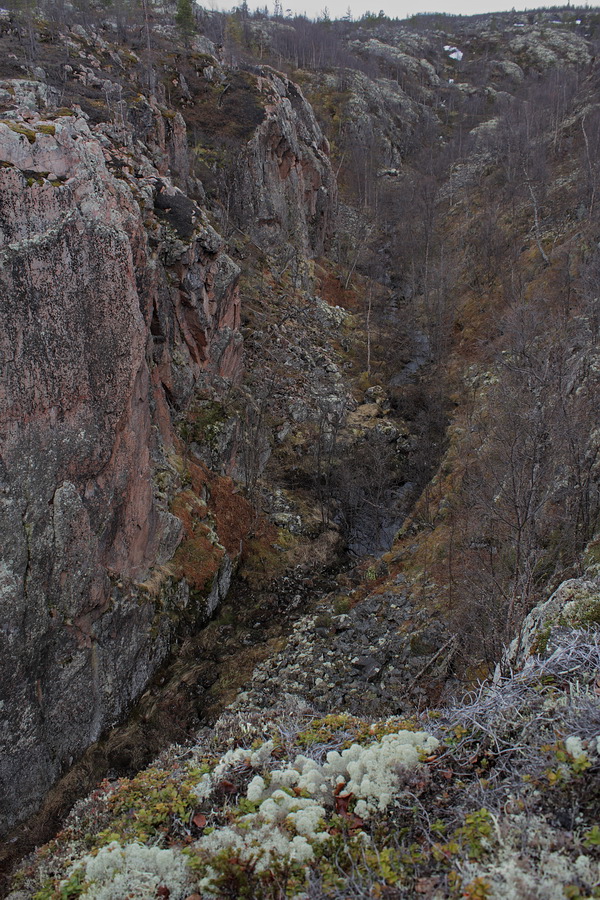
(456, 820)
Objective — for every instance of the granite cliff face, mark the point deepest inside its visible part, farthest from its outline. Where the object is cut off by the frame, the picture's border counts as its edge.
(116, 298)
(118, 304)
(285, 187)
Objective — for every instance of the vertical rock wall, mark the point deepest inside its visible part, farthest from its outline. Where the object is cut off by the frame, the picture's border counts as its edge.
(285, 186)
(115, 297)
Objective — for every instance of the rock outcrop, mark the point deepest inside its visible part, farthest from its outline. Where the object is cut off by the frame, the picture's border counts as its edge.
(574, 604)
(286, 188)
(116, 297)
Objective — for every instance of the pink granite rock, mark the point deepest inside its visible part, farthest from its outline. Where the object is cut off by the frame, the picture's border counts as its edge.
(115, 298)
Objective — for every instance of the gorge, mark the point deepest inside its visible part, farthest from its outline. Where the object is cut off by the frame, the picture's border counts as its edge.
(298, 415)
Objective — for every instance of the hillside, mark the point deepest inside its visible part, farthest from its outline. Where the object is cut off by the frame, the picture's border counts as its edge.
(496, 797)
(298, 415)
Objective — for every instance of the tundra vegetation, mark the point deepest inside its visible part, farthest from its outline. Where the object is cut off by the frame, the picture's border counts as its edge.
(496, 798)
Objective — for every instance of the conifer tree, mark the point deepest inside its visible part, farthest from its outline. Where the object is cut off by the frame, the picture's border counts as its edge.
(185, 17)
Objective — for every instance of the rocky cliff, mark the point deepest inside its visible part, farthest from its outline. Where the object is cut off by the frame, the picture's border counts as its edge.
(285, 187)
(117, 300)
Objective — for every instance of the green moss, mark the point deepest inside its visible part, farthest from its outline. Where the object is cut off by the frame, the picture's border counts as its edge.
(322, 731)
(584, 614)
(21, 129)
(540, 642)
(38, 178)
(209, 162)
(342, 605)
(46, 129)
(344, 730)
(203, 423)
(145, 808)
(286, 540)
(592, 554)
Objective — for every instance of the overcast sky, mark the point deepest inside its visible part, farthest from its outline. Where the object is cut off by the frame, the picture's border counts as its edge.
(401, 8)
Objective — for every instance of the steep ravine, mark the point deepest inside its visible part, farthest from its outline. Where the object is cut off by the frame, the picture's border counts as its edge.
(105, 565)
(199, 384)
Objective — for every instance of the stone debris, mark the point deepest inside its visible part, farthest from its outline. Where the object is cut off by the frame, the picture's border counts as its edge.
(366, 661)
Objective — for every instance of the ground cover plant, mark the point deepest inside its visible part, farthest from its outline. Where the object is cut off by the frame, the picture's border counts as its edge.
(494, 797)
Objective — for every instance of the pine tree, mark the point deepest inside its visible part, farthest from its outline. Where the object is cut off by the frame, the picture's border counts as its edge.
(185, 17)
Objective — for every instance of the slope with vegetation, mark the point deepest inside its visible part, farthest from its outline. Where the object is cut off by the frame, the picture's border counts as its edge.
(399, 221)
(496, 798)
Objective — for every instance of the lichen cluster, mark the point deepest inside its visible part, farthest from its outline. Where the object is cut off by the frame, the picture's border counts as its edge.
(496, 797)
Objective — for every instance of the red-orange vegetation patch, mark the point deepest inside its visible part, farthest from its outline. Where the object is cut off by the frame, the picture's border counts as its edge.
(198, 561)
(197, 558)
(188, 507)
(476, 324)
(232, 513)
(263, 536)
(199, 475)
(217, 519)
(551, 288)
(199, 555)
(333, 292)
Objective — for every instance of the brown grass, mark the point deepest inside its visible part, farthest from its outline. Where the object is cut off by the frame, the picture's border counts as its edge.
(232, 513)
